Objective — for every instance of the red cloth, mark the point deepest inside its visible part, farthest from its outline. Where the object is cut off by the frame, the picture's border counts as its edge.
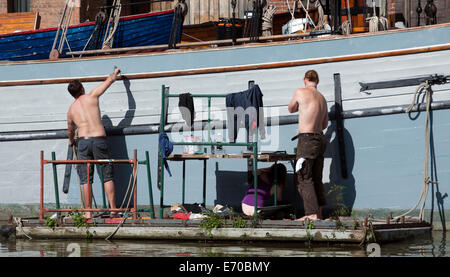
(184, 216)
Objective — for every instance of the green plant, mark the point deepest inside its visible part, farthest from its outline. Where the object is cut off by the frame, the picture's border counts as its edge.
(355, 224)
(50, 222)
(212, 221)
(238, 222)
(339, 224)
(342, 209)
(310, 225)
(79, 220)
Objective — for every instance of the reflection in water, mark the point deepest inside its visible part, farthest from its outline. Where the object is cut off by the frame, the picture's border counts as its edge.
(437, 246)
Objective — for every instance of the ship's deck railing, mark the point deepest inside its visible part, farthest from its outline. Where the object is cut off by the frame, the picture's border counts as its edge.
(250, 145)
(134, 162)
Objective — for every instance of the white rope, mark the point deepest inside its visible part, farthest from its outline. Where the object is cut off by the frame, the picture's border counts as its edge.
(307, 17)
(426, 184)
(18, 222)
(115, 13)
(347, 25)
(322, 22)
(128, 205)
(375, 22)
(289, 9)
(267, 24)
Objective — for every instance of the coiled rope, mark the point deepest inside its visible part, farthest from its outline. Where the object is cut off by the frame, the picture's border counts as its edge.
(375, 22)
(427, 181)
(347, 25)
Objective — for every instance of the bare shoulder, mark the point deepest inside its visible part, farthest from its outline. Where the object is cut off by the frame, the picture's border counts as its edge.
(321, 96)
(70, 108)
(300, 92)
(90, 97)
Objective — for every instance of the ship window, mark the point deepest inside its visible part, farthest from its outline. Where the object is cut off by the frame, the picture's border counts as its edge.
(17, 6)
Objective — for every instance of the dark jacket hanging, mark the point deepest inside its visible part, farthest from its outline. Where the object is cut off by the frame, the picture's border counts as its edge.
(250, 118)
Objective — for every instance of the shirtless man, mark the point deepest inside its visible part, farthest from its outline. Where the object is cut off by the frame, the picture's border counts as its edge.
(312, 120)
(84, 114)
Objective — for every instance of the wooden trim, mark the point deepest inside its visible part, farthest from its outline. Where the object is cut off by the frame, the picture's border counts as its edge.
(270, 40)
(184, 45)
(36, 21)
(235, 68)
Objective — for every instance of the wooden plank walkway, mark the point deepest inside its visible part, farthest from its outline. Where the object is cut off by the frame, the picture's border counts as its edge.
(266, 230)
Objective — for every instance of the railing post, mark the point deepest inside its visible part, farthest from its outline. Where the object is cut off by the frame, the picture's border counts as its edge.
(135, 184)
(209, 119)
(160, 156)
(149, 181)
(275, 180)
(204, 183)
(102, 184)
(255, 177)
(88, 201)
(183, 182)
(41, 212)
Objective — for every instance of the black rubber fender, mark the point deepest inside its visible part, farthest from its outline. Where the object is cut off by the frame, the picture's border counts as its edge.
(7, 230)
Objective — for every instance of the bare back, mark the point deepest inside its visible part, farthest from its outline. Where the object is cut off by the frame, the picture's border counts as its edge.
(312, 110)
(85, 114)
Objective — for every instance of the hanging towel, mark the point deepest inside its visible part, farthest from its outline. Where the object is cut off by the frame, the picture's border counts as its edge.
(166, 147)
(238, 115)
(186, 106)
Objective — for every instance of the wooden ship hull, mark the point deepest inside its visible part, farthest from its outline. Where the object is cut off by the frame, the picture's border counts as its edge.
(137, 30)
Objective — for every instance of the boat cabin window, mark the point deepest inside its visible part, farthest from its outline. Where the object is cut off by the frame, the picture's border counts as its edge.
(18, 6)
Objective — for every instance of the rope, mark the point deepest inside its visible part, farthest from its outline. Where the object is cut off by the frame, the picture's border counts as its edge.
(375, 21)
(307, 16)
(267, 24)
(347, 25)
(115, 15)
(322, 22)
(128, 204)
(18, 222)
(426, 184)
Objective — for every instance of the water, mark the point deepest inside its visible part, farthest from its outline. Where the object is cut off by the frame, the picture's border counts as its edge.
(438, 245)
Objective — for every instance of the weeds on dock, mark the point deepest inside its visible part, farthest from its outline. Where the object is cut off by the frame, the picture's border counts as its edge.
(212, 221)
(80, 221)
(238, 222)
(51, 222)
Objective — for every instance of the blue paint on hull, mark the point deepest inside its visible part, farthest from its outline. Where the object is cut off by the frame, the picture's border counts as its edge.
(153, 29)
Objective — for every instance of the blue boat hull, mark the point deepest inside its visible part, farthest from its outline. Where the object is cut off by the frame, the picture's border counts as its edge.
(141, 30)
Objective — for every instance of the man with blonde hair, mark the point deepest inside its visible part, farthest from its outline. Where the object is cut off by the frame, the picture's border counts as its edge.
(312, 120)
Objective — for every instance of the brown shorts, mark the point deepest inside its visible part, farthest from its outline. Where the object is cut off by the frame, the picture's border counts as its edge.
(311, 147)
